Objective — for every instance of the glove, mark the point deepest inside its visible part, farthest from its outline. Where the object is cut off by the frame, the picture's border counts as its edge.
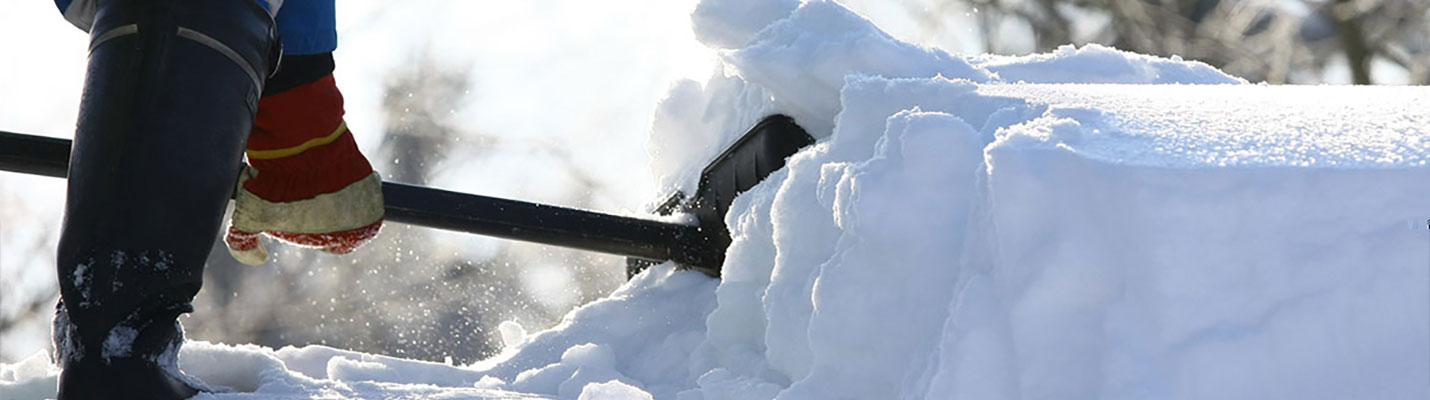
(307, 183)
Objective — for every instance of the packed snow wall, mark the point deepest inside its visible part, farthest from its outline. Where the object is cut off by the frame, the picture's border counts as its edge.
(1086, 223)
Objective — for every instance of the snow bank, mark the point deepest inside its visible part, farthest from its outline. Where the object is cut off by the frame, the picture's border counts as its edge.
(957, 234)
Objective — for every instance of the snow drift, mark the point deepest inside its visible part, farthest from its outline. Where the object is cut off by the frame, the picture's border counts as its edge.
(981, 227)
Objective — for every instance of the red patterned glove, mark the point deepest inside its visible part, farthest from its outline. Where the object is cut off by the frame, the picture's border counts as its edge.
(307, 183)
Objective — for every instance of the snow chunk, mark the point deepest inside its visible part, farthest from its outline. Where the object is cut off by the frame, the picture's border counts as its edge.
(732, 23)
(243, 368)
(804, 60)
(580, 367)
(83, 279)
(641, 335)
(328, 363)
(37, 365)
(119, 343)
(512, 334)
(720, 383)
(693, 124)
(589, 355)
(613, 390)
(34, 377)
(876, 204)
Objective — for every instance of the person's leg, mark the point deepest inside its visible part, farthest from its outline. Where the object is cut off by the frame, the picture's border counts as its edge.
(169, 99)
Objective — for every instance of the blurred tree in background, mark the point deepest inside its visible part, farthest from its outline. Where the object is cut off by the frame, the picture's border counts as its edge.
(1275, 41)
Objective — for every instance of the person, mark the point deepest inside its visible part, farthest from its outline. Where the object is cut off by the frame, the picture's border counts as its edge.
(176, 93)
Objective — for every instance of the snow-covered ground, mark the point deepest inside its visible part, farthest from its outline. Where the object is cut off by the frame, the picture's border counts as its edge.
(1086, 223)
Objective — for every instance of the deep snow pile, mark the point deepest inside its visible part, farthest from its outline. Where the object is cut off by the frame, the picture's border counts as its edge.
(956, 234)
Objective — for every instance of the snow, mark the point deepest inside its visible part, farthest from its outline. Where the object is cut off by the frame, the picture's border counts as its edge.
(119, 343)
(1086, 223)
(1098, 64)
(640, 335)
(799, 65)
(613, 390)
(31, 378)
(82, 281)
(1265, 127)
(635, 341)
(1272, 254)
(733, 23)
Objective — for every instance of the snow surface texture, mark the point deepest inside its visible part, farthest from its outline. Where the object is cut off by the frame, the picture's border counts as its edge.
(956, 234)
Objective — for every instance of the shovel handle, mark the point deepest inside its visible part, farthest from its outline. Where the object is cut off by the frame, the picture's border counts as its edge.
(461, 212)
(34, 155)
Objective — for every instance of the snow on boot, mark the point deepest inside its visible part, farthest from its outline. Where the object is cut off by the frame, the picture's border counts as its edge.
(169, 99)
(139, 359)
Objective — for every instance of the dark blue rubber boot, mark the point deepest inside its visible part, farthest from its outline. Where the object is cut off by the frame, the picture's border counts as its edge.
(169, 99)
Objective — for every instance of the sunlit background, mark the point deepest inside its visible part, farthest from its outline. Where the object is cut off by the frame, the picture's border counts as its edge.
(551, 101)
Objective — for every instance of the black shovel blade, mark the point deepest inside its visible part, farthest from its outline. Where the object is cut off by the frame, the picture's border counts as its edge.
(758, 153)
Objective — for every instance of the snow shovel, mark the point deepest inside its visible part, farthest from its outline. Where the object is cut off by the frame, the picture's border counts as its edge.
(761, 151)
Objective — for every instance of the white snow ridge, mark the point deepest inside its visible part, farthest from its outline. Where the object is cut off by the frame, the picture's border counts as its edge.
(1082, 224)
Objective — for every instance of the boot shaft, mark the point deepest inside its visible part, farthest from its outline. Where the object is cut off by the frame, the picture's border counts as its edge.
(169, 99)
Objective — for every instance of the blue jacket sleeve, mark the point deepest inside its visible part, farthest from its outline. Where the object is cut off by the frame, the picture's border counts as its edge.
(307, 26)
